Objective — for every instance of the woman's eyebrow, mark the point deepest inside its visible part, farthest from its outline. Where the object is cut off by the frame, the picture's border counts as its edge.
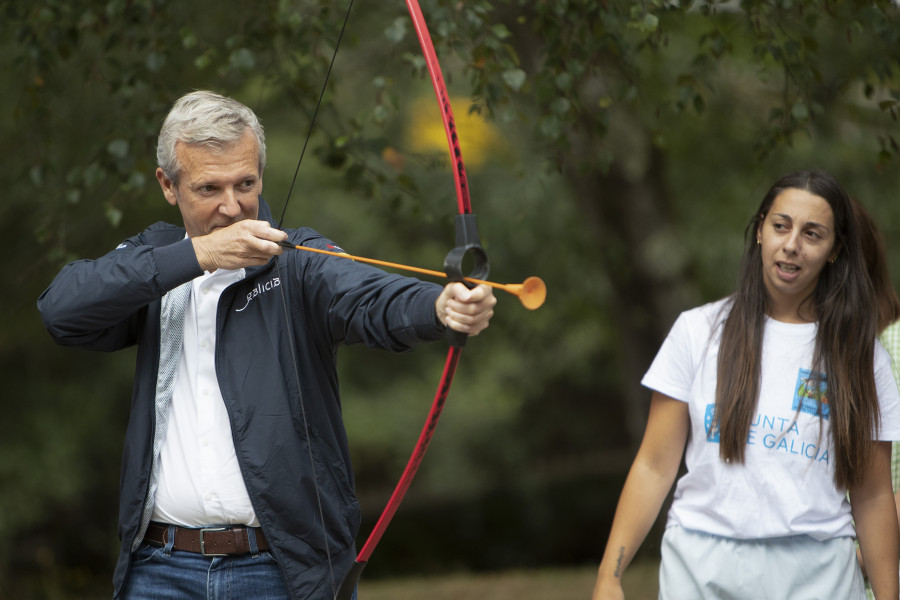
(807, 224)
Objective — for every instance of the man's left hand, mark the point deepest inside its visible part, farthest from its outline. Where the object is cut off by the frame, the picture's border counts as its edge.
(464, 310)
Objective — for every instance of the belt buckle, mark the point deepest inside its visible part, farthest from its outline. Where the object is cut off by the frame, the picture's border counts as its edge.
(203, 542)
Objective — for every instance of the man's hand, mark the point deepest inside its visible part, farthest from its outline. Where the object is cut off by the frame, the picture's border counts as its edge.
(246, 243)
(464, 310)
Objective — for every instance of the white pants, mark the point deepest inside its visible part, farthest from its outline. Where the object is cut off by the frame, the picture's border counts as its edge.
(699, 566)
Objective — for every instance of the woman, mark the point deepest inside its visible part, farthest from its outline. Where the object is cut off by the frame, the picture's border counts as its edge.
(785, 402)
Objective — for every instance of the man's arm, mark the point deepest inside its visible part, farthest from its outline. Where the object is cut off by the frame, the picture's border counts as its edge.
(95, 304)
(92, 304)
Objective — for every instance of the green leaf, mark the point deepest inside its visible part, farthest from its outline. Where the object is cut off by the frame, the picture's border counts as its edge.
(397, 30)
(118, 148)
(417, 60)
(36, 175)
(188, 38)
(93, 174)
(155, 61)
(564, 81)
(446, 28)
(204, 60)
(561, 105)
(500, 32)
(113, 215)
(242, 59)
(380, 114)
(650, 23)
(514, 78)
(136, 181)
(551, 126)
(800, 111)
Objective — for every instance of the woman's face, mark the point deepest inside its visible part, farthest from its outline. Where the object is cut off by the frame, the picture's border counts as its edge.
(797, 240)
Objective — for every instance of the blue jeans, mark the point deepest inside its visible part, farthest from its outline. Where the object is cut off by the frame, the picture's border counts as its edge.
(161, 573)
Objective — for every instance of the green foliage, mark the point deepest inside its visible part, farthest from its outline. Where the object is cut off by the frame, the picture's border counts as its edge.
(636, 139)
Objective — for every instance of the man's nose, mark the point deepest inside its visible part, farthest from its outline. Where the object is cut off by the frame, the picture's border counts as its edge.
(229, 205)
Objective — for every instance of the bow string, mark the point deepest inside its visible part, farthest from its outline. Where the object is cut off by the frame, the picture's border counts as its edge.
(287, 313)
(467, 243)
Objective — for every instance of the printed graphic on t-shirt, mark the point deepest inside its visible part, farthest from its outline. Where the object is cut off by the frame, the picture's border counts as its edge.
(712, 433)
(782, 433)
(811, 393)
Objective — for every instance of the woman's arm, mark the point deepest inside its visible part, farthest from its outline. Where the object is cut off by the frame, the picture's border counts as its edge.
(648, 483)
(875, 514)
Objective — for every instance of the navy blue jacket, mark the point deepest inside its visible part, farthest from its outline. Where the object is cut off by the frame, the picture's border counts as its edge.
(114, 302)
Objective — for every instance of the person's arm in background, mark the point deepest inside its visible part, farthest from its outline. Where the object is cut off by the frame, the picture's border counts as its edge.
(875, 514)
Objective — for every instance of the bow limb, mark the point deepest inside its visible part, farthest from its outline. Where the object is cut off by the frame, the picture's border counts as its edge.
(467, 241)
(463, 201)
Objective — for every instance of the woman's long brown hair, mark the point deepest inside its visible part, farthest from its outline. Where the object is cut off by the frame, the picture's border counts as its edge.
(875, 255)
(845, 306)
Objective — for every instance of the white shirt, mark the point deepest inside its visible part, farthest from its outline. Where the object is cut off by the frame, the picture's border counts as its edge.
(200, 481)
(786, 485)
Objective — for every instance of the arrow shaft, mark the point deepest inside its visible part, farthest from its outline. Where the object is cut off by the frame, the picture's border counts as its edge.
(384, 263)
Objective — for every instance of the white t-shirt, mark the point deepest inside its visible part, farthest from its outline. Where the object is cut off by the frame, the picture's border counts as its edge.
(786, 484)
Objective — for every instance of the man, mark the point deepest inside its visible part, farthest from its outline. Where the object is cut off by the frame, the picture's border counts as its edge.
(235, 445)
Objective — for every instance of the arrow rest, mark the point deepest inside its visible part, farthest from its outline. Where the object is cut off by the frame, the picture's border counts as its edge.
(468, 242)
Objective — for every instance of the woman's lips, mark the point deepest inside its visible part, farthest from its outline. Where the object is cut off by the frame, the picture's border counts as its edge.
(787, 271)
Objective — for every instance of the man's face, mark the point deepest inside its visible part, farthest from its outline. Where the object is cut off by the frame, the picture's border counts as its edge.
(217, 187)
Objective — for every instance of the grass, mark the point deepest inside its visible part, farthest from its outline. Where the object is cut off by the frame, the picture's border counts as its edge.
(640, 583)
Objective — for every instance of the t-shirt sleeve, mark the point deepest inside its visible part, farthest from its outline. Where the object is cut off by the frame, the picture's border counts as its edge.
(888, 396)
(672, 371)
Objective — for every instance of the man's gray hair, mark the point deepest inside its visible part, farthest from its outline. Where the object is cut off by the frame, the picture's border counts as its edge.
(207, 119)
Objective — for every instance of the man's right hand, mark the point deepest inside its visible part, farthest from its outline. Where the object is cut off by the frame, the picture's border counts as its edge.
(246, 243)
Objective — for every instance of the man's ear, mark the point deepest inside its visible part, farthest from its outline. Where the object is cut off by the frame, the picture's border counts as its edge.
(168, 188)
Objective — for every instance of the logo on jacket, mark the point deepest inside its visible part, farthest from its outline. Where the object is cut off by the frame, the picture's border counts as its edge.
(261, 288)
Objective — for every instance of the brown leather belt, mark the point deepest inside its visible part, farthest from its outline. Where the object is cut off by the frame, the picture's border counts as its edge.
(209, 541)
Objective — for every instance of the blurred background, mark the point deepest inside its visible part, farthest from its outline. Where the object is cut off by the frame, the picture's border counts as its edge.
(617, 149)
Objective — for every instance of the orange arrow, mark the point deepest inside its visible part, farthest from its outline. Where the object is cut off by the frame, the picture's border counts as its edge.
(531, 293)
